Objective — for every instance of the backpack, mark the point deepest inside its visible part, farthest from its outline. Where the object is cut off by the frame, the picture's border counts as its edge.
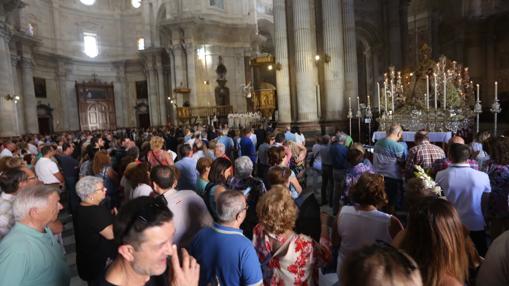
(208, 200)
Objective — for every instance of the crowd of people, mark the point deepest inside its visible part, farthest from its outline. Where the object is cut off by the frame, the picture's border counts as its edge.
(205, 206)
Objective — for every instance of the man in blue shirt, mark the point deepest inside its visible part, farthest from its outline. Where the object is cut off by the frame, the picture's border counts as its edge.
(227, 141)
(388, 158)
(338, 152)
(187, 169)
(247, 147)
(466, 188)
(289, 136)
(225, 255)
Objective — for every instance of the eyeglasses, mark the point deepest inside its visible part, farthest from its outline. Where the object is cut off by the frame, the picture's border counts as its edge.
(147, 214)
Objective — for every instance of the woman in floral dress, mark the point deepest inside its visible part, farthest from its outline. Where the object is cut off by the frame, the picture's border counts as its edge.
(287, 258)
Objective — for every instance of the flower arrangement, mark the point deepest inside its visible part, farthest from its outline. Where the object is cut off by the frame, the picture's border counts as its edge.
(428, 181)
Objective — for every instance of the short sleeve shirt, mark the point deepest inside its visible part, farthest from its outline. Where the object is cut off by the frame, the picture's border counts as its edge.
(92, 249)
(385, 158)
(45, 168)
(29, 257)
(227, 256)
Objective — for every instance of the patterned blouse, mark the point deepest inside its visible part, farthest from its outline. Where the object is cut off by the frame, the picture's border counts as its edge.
(6, 214)
(297, 263)
(498, 202)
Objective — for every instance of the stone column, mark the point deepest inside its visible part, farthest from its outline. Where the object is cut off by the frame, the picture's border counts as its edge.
(350, 45)
(162, 98)
(305, 67)
(394, 33)
(334, 77)
(7, 107)
(28, 99)
(191, 74)
(152, 91)
(281, 50)
(179, 68)
(122, 98)
(19, 121)
(403, 18)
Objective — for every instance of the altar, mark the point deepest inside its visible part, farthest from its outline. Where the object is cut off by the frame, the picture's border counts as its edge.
(409, 136)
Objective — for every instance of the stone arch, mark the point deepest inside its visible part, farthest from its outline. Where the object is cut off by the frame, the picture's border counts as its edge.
(369, 55)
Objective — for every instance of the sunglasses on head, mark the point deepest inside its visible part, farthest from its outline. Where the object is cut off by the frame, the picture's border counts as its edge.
(148, 213)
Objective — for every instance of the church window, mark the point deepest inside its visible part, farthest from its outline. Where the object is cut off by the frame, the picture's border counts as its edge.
(40, 87)
(217, 3)
(141, 44)
(90, 45)
(88, 2)
(136, 3)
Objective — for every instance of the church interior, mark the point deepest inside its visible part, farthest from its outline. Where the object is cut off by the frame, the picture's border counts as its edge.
(69, 65)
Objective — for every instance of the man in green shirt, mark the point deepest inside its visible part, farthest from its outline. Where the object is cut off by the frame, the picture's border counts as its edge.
(29, 253)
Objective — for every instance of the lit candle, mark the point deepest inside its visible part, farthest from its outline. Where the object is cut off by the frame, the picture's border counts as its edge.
(427, 91)
(436, 89)
(385, 96)
(369, 105)
(496, 91)
(445, 91)
(378, 95)
(477, 85)
(392, 95)
(349, 103)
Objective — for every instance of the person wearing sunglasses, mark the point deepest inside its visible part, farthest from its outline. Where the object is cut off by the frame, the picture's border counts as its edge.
(227, 257)
(143, 231)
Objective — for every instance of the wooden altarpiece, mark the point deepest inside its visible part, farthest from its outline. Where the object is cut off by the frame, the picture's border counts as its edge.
(96, 105)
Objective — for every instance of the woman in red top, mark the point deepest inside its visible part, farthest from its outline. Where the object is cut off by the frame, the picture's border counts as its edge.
(157, 156)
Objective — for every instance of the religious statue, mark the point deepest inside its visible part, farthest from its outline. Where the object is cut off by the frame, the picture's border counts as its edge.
(221, 92)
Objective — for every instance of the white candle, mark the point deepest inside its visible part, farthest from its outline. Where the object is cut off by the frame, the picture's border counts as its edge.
(477, 85)
(369, 105)
(349, 103)
(392, 95)
(358, 104)
(436, 89)
(385, 96)
(496, 91)
(378, 96)
(427, 91)
(445, 91)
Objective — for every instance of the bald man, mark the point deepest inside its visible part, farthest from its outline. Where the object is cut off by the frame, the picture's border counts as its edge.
(443, 164)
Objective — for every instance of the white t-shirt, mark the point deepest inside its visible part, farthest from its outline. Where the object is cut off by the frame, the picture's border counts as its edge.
(5, 153)
(142, 190)
(44, 169)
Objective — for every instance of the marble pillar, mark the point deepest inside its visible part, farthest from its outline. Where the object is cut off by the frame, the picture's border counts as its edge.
(191, 73)
(152, 91)
(305, 67)
(28, 99)
(395, 45)
(334, 78)
(350, 45)
(162, 95)
(121, 99)
(282, 73)
(17, 87)
(7, 107)
(178, 70)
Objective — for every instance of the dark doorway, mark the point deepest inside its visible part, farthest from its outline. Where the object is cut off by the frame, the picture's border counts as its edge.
(143, 120)
(44, 125)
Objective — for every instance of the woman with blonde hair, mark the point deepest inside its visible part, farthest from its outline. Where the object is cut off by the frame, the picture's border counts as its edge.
(157, 155)
(437, 240)
(287, 258)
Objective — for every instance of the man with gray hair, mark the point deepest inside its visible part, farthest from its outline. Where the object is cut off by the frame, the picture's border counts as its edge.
(225, 255)
(388, 159)
(251, 187)
(220, 151)
(30, 253)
